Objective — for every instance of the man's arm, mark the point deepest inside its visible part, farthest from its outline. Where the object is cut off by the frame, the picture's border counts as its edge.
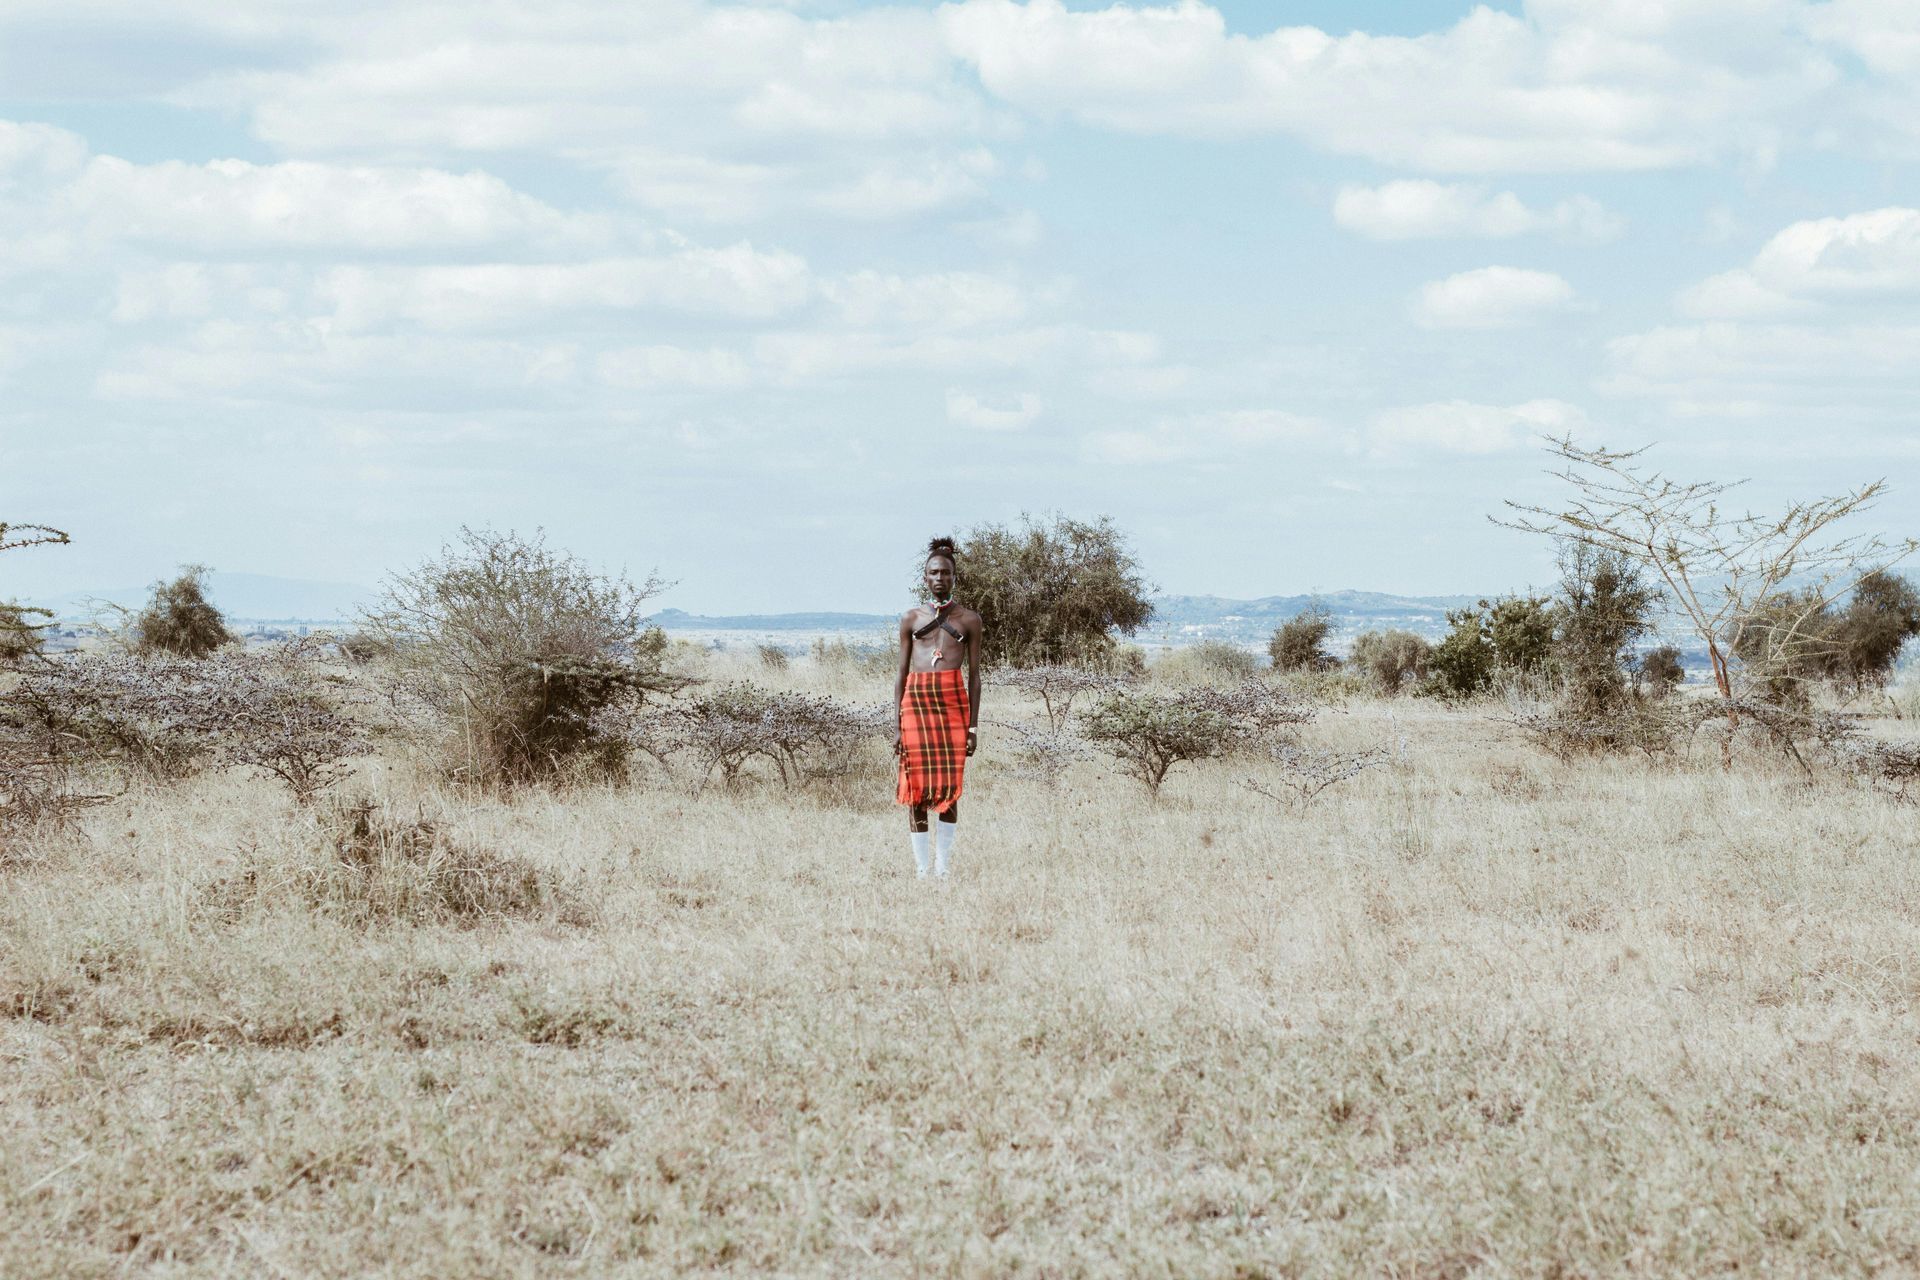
(974, 636)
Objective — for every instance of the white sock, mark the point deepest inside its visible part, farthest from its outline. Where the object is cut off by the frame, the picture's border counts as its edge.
(920, 858)
(944, 845)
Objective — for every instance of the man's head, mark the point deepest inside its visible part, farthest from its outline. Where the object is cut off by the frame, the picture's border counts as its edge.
(941, 561)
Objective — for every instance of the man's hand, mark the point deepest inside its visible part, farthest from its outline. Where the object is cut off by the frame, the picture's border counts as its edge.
(899, 746)
(973, 741)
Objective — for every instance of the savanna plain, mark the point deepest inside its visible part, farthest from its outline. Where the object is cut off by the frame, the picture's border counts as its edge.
(1477, 1011)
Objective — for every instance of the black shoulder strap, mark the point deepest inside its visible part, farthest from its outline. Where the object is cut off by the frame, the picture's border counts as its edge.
(940, 622)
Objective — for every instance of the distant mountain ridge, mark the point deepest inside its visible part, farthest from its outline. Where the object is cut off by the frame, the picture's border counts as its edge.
(1174, 616)
(242, 597)
(254, 597)
(680, 620)
(1341, 604)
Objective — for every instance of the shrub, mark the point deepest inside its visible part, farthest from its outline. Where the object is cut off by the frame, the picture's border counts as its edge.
(1044, 751)
(804, 737)
(155, 717)
(1217, 662)
(518, 647)
(1605, 607)
(1511, 637)
(361, 648)
(179, 619)
(36, 792)
(1391, 660)
(1659, 671)
(1299, 643)
(1892, 766)
(1301, 774)
(1655, 728)
(385, 869)
(1148, 732)
(1056, 686)
(772, 657)
(866, 661)
(1794, 638)
(1521, 629)
(1462, 665)
(1210, 662)
(1882, 614)
(163, 718)
(1052, 592)
(282, 718)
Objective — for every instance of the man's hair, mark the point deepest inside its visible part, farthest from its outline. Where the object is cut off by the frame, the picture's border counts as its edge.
(944, 546)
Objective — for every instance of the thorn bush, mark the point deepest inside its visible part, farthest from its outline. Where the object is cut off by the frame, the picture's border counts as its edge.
(516, 648)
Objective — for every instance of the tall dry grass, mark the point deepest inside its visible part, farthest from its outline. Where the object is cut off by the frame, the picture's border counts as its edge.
(1477, 1013)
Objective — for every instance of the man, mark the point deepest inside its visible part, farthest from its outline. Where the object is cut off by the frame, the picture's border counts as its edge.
(939, 716)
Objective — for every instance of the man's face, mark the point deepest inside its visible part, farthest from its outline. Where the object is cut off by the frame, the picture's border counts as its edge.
(940, 577)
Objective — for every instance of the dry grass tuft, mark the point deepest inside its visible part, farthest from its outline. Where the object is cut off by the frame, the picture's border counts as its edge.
(387, 869)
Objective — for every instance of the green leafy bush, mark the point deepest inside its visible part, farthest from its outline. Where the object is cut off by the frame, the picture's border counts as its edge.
(1055, 591)
(1605, 608)
(1390, 660)
(179, 619)
(1507, 638)
(1148, 732)
(1300, 643)
(1659, 671)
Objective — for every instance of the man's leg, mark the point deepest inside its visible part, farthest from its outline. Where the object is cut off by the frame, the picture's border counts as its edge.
(946, 829)
(917, 824)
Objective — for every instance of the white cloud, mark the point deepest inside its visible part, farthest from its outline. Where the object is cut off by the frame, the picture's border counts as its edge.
(966, 410)
(1735, 295)
(1822, 317)
(806, 355)
(33, 154)
(1780, 364)
(1862, 254)
(1562, 88)
(722, 112)
(1417, 209)
(1460, 426)
(1885, 34)
(293, 361)
(1491, 298)
(232, 207)
(652, 368)
(738, 281)
(938, 301)
(1217, 438)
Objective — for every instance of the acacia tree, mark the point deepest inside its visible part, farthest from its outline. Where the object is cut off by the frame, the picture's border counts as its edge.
(1053, 591)
(1726, 572)
(19, 633)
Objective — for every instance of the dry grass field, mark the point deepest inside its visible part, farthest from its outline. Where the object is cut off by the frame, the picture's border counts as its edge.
(1479, 1013)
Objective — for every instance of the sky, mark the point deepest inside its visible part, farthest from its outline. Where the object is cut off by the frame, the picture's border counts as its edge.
(760, 296)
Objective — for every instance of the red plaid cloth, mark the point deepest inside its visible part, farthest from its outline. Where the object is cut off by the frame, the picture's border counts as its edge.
(933, 737)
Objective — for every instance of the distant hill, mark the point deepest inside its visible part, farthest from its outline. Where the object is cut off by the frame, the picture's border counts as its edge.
(243, 597)
(1176, 619)
(680, 620)
(254, 597)
(1182, 610)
